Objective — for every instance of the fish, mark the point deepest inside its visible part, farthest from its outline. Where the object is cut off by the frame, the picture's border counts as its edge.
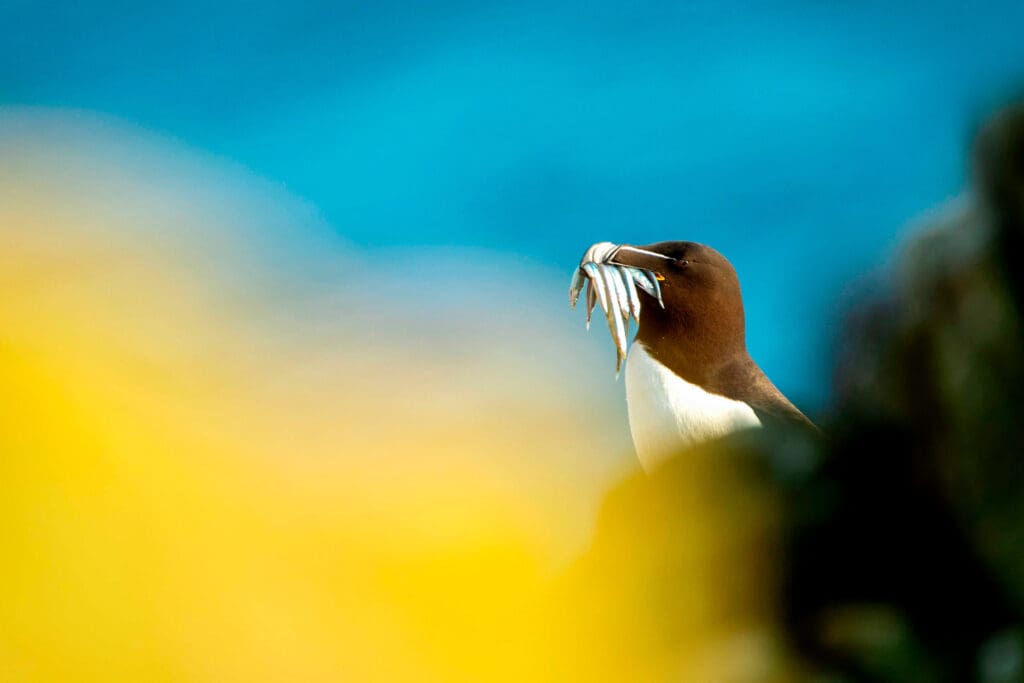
(614, 315)
(613, 286)
(646, 280)
(590, 269)
(575, 287)
(630, 288)
(591, 301)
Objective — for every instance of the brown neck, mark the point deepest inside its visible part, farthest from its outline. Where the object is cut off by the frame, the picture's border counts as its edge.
(696, 348)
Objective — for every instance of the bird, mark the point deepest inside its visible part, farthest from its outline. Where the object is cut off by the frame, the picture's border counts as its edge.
(689, 376)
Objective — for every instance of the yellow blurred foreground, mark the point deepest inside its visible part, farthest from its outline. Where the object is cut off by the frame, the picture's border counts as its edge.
(234, 448)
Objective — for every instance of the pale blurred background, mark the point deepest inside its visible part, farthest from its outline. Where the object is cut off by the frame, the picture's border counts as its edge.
(289, 387)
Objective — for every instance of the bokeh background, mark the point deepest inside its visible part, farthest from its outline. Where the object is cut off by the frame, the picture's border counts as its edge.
(289, 389)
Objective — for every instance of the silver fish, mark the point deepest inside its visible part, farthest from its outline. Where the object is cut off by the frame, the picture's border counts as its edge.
(613, 286)
(575, 287)
(614, 315)
(591, 301)
(630, 286)
(599, 253)
(648, 282)
(641, 281)
(615, 274)
(591, 270)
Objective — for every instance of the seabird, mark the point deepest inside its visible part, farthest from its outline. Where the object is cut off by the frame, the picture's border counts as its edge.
(689, 378)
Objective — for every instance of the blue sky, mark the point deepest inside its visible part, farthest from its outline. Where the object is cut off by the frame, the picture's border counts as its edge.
(796, 138)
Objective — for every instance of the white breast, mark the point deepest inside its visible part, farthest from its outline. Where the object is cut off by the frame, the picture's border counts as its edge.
(667, 413)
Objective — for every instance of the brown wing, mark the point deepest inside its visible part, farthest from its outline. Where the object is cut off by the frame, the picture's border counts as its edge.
(745, 381)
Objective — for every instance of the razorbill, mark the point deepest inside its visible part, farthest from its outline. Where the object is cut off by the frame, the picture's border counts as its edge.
(689, 378)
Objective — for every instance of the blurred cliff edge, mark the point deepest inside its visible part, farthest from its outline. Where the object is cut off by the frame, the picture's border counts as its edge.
(890, 550)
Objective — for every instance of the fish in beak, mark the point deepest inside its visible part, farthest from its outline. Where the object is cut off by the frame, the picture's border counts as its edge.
(611, 274)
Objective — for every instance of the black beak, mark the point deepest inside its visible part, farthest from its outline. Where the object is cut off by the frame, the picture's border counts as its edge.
(638, 257)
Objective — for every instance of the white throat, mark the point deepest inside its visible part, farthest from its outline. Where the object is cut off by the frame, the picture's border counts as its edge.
(668, 414)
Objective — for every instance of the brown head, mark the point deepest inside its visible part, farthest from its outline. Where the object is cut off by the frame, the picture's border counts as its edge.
(702, 327)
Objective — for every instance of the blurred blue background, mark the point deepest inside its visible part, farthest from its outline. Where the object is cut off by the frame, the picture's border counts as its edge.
(797, 138)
